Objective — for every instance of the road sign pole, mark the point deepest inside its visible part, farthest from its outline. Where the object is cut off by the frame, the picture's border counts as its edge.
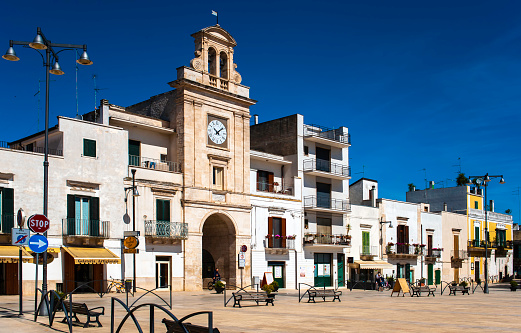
(20, 279)
(36, 285)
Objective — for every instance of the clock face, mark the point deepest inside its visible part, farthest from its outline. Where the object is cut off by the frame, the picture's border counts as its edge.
(217, 132)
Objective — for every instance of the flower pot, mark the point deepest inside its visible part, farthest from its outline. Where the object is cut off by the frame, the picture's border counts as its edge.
(512, 288)
(219, 290)
(271, 296)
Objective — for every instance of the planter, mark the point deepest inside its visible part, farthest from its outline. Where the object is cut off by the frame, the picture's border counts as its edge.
(513, 288)
(219, 290)
(271, 295)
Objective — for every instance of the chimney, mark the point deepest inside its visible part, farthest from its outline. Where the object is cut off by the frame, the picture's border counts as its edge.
(104, 112)
(372, 196)
(445, 207)
(431, 184)
(491, 207)
(256, 119)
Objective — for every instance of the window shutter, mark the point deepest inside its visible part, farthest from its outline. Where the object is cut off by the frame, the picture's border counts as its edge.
(166, 211)
(258, 180)
(270, 181)
(7, 210)
(270, 231)
(283, 233)
(71, 215)
(94, 216)
(406, 234)
(159, 210)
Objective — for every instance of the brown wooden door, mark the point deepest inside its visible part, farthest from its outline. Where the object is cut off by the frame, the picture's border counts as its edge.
(97, 273)
(11, 279)
(68, 272)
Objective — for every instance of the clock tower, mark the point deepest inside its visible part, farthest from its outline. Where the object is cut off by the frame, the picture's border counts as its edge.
(211, 117)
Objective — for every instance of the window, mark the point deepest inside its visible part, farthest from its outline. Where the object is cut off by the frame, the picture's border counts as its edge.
(366, 250)
(218, 178)
(6, 210)
(212, 66)
(476, 205)
(134, 152)
(476, 236)
(501, 237)
(89, 148)
(429, 246)
(402, 239)
(276, 232)
(163, 158)
(162, 217)
(306, 150)
(264, 181)
(82, 216)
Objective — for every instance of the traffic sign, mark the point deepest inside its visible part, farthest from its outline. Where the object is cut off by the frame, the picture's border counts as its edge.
(38, 243)
(244, 248)
(19, 237)
(20, 218)
(39, 223)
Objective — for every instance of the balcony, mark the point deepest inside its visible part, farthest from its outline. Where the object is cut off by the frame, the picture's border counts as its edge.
(275, 244)
(325, 168)
(329, 136)
(85, 232)
(154, 164)
(328, 240)
(7, 222)
(30, 148)
(403, 251)
(368, 252)
(502, 247)
(476, 248)
(166, 229)
(325, 204)
(286, 189)
(458, 255)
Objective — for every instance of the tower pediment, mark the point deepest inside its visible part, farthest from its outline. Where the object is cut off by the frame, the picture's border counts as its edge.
(217, 33)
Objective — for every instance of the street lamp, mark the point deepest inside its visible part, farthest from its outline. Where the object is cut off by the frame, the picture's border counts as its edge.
(381, 235)
(42, 43)
(483, 181)
(135, 194)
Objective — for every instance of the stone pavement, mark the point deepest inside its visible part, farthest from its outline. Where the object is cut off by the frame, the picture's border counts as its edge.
(359, 311)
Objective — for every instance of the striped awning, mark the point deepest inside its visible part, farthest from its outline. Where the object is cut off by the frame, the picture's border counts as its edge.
(371, 264)
(91, 255)
(10, 254)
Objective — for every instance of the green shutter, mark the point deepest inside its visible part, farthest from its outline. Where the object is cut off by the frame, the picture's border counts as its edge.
(71, 215)
(7, 210)
(476, 235)
(89, 148)
(438, 276)
(366, 242)
(134, 152)
(430, 274)
(94, 216)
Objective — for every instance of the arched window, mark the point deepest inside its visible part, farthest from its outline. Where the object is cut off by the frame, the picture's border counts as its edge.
(224, 65)
(212, 66)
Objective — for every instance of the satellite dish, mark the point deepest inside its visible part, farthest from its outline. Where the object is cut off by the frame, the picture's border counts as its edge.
(126, 219)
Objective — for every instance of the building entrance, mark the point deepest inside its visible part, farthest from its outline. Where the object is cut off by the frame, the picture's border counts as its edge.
(219, 248)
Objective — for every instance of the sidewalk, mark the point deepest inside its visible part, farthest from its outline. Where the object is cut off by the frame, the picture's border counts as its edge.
(359, 311)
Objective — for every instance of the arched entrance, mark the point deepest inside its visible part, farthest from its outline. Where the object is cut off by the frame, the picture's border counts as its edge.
(219, 244)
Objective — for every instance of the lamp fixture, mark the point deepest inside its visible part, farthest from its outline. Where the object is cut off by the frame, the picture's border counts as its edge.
(56, 69)
(10, 54)
(38, 43)
(84, 59)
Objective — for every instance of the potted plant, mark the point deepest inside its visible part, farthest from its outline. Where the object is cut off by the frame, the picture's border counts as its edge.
(454, 283)
(275, 285)
(219, 286)
(513, 285)
(478, 281)
(390, 280)
(463, 284)
(268, 288)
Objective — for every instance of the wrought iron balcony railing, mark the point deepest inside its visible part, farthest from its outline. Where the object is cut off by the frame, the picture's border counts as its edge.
(367, 250)
(313, 201)
(328, 239)
(327, 166)
(504, 244)
(85, 228)
(434, 253)
(155, 164)
(281, 242)
(167, 229)
(459, 254)
(41, 150)
(6, 223)
(327, 133)
(476, 243)
(275, 188)
(404, 249)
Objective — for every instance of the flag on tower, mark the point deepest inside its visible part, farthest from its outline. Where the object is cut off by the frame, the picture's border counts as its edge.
(214, 13)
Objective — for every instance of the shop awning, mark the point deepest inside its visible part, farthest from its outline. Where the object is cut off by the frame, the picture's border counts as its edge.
(90, 255)
(49, 250)
(9, 254)
(372, 264)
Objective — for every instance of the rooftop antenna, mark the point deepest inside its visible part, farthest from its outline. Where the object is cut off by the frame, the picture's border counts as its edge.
(426, 182)
(96, 89)
(363, 171)
(458, 165)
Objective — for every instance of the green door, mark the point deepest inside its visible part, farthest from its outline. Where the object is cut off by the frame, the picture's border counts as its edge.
(366, 243)
(438, 276)
(408, 273)
(277, 268)
(430, 274)
(323, 269)
(341, 270)
(134, 152)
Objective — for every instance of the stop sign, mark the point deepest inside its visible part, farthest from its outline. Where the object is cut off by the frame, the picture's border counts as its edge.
(38, 223)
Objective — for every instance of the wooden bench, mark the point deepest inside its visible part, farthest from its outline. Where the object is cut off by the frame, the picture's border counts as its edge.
(323, 293)
(255, 296)
(173, 327)
(462, 289)
(81, 308)
(417, 291)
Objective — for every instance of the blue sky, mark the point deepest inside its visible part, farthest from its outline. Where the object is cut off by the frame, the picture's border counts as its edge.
(420, 84)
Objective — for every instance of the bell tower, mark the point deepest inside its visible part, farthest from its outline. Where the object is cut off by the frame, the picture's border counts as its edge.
(211, 117)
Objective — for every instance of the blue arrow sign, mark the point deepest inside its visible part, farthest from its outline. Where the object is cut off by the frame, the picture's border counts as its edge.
(38, 243)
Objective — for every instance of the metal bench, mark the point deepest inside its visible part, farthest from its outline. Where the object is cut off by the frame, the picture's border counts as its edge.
(323, 293)
(81, 308)
(417, 291)
(462, 289)
(173, 327)
(255, 296)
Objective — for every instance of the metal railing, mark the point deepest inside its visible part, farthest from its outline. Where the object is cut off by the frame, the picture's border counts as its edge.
(367, 250)
(313, 201)
(6, 223)
(433, 253)
(327, 133)
(88, 228)
(275, 188)
(404, 249)
(40, 150)
(478, 243)
(327, 166)
(167, 229)
(155, 164)
(459, 254)
(329, 239)
(274, 242)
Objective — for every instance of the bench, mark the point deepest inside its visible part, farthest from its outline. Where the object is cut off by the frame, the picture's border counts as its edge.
(255, 296)
(173, 327)
(417, 291)
(462, 289)
(81, 308)
(323, 293)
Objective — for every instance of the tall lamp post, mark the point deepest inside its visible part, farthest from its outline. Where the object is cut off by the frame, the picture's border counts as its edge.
(135, 194)
(483, 181)
(40, 42)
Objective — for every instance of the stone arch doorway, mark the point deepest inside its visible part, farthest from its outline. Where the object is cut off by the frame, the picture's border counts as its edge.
(219, 243)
